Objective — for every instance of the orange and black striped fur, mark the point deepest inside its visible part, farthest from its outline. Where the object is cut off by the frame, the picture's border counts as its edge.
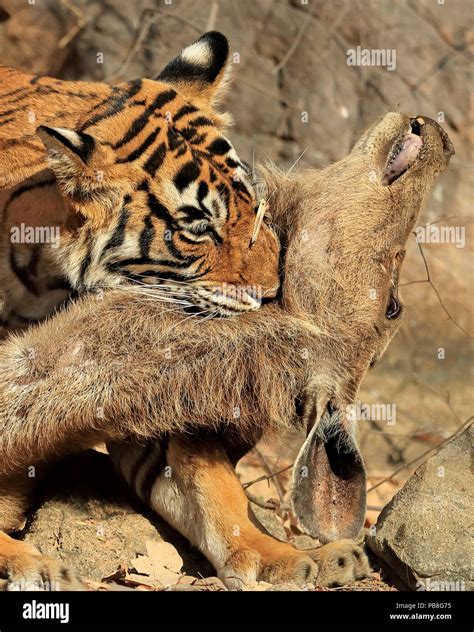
(134, 184)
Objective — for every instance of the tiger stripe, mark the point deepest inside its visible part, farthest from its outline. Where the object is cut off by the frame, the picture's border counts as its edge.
(141, 184)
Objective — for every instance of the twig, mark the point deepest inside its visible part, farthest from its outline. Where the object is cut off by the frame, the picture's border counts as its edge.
(266, 478)
(239, 17)
(441, 220)
(435, 289)
(184, 21)
(147, 19)
(269, 197)
(211, 20)
(268, 93)
(268, 469)
(296, 162)
(80, 24)
(387, 437)
(294, 45)
(261, 503)
(426, 225)
(435, 449)
(447, 402)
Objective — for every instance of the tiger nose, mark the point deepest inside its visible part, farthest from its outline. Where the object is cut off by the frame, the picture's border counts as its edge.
(272, 292)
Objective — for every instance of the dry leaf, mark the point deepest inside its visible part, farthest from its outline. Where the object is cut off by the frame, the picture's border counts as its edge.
(161, 566)
(208, 584)
(256, 587)
(164, 554)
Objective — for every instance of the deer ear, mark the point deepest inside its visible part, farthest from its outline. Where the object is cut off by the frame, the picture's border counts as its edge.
(201, 71)
(329, 484)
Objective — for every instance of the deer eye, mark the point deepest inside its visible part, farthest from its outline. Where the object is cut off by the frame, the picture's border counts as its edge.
(394, 308)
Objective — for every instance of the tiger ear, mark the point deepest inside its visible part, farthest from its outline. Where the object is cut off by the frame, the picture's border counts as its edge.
(201, 71)
(65, 146)
(77, 159)
(83, 168)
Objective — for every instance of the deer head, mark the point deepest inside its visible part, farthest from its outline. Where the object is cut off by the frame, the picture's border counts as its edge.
(345, 248)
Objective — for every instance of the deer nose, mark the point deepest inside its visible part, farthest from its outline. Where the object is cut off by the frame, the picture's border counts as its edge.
(447, 144)
(448, 148)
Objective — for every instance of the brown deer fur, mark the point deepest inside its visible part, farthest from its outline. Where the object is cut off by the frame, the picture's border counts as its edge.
(123, 369)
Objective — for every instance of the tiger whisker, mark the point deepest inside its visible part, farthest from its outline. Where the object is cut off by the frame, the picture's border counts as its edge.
(154, 289)
(296, 161)
(183, 296)
(178, 300)
(163, 297)
(190, 316)
(159, 279)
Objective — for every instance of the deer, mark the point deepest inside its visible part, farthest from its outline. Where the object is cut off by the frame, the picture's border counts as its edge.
(160, 386)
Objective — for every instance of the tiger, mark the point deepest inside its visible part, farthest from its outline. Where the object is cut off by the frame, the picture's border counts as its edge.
(131, 185)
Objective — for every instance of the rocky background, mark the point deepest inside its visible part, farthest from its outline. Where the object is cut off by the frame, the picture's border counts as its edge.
(296, 100)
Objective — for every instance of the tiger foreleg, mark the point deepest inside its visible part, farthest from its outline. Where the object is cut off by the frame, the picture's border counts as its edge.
(193, 486)
(22, 567)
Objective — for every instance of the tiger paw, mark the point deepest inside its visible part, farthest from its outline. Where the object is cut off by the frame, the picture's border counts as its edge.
(340, 563)
(268, 561)
(22, 567)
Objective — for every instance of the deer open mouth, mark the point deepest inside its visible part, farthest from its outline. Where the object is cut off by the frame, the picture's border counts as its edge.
(404, 151)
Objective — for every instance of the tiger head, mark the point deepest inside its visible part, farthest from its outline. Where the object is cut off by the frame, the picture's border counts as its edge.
(157, 195)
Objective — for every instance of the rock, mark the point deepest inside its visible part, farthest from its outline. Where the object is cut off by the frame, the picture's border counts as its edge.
(305, 542)
(270, 522)
(423, 532)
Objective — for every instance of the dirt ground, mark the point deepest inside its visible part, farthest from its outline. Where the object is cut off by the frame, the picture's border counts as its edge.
(87, 517)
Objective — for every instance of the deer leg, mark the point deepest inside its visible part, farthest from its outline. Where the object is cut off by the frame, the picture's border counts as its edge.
(193, 486)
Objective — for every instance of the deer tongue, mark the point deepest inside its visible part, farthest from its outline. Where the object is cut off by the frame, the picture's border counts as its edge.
(401, 157)
(329, 485)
